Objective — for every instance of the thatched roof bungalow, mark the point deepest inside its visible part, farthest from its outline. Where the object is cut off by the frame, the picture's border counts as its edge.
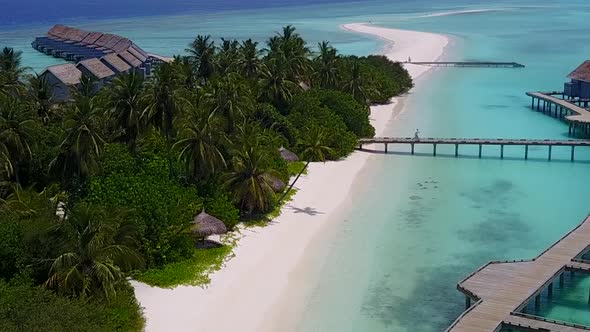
(275, 183)
(205, 224)
(288, 155)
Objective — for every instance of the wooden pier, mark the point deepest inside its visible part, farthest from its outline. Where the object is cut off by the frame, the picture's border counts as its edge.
(573, 111)
(470, 64)
(498, 293)
(457, 142)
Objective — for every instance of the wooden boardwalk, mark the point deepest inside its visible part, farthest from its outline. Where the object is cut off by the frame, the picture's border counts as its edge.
(501, 290)
(574, 111)
(412, 142)
(471, 64)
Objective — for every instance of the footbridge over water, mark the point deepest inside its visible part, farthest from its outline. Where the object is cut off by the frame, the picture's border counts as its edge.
(480, 142)
(501, 291)
(470, 64)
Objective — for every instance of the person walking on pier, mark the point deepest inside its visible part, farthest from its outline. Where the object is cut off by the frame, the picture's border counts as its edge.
(416, 133)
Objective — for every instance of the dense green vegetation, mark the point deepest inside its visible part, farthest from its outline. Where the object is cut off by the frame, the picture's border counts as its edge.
(105, 185)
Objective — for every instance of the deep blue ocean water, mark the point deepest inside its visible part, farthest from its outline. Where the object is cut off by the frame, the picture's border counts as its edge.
(420, 223)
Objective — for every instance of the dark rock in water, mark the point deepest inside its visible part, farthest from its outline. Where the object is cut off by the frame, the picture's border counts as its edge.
(415, 198)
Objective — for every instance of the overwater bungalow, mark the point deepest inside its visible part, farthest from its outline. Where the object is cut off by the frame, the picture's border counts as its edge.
(62, 78)
(98, 55)
(116, 63)
(579, 86)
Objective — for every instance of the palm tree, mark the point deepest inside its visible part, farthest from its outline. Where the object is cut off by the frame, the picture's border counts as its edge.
(250, 189)
(126, 106)
(202, 53)
(16, 127)
(249, 59)
(230, 98)
(292, 48)
(227, 57)
(162, 102)
(185, 71)
(355, 84)
(326, 69)
(100, 252)
(79, 151)
(40, 93)
(200, 145)
(275, 86)
(11, 68)
(314, 148)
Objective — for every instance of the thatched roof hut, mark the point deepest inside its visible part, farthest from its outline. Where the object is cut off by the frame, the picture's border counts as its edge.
(288, 155)
(205, 224)
(276, 184)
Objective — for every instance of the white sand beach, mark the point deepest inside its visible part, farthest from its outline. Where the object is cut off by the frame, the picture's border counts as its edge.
(242, 295)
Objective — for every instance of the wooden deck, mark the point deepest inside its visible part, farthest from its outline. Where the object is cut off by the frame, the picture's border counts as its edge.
(471, 64)
(578, 114)
(412, 142)
(502, 289)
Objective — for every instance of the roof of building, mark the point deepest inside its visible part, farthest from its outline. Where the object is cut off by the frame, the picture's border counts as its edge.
(582, 73)
(137, 54)
(66, 73)
(115, 61)
(130, 59)
(122, 45)
(92, 37)
(97, 68)
(102, 41)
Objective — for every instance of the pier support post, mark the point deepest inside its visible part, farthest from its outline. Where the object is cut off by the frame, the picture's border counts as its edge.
(526, 152)
(456, 150)
(502, 151)
(479, 151)
(544, 106)
(533, 102)
(434, 149)
(538, 104)
(468, 302)
(537, 301)
(572, 156)
(412, 148)
(549, 156)
(550, 290)
(570, 129)
(561, 281)
(385, 147)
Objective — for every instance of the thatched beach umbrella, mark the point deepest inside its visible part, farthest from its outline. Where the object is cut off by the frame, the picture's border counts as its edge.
(275, 183)
(205, 224)
(288, 155)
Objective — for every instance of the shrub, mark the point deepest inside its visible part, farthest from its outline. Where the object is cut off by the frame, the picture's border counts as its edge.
(354, 114)
(160, 207)
(24, 307)
(307, 112)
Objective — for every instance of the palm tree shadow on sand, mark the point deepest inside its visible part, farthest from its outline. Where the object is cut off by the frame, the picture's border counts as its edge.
(307, 210)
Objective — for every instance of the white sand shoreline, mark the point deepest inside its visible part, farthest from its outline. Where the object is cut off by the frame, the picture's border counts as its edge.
(243, 294)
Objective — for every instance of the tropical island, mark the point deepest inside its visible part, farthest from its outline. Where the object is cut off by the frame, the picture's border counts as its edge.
(118, 183)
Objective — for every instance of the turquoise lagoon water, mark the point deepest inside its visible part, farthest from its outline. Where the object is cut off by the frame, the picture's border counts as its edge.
(569, 304)
(420, 223)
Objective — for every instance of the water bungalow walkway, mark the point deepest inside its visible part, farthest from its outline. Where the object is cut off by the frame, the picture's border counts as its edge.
(573, 111)
(502, 290)
(471, 64)
(386, 141)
